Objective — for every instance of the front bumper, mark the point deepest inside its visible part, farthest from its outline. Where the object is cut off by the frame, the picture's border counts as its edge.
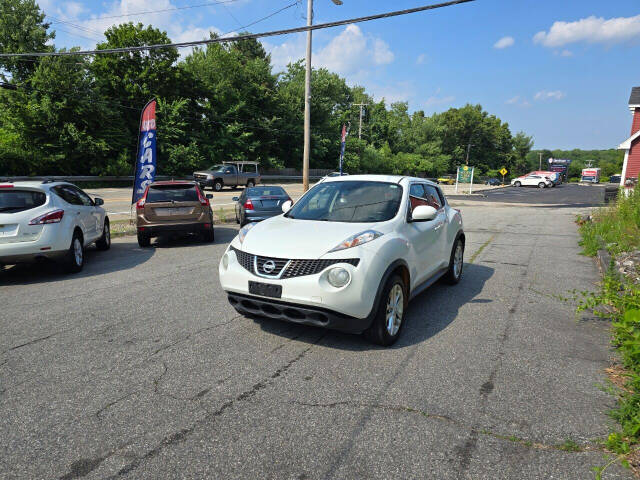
(157, 230)
(204, 182)
(295, 313)
(347, 308)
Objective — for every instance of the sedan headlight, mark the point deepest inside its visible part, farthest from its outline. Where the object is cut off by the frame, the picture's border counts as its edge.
(358, 239)
(244, 230)
(338, 277)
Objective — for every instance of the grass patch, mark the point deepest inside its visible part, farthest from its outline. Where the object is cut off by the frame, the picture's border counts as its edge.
(617, 229)
(123, 228)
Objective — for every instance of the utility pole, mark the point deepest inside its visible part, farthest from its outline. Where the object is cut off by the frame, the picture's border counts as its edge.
(361, 105)
(540, 161)
(307, 99)
(468, 151)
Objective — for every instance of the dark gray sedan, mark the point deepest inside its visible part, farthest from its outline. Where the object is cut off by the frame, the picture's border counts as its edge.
(259, 203)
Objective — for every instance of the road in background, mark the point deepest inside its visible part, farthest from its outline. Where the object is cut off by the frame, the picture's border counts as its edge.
(118, 200)
(139, 368)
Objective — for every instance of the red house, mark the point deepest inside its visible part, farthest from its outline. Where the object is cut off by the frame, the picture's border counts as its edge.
(631, 146)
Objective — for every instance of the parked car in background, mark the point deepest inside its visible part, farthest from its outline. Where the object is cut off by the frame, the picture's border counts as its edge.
(170, 208)
(229, 174)
(349, 255)
(259, 203)
(532, 181)
(447, 180)
(54, 220)
(615, 178)
(493, 182)
(555, 177)
(590, 175)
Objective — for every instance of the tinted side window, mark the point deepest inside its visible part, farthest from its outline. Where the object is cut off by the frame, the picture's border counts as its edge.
(68, 194)
(84, 198)
(432, 197)
(416, 195)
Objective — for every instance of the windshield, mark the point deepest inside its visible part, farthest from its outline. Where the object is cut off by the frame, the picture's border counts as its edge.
(217, 168)
(12, 201)
(350, 202)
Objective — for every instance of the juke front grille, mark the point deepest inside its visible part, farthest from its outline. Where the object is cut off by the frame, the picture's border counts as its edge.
(292, 268)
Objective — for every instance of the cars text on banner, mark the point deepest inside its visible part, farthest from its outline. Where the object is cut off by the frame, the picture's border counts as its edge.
(146, 158)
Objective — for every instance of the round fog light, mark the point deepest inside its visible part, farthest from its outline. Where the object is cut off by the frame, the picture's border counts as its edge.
(225, 261)
(338, 277)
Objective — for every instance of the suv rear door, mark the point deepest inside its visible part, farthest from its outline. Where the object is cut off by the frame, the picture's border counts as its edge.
(173, 203)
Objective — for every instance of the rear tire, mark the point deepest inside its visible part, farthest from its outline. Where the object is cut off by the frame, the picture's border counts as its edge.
(74, 260)
(456, 264)
(542, 185)
(209, 235)
(517, 184)
(389, 320)
(104, 242)
(143, 240)
(217, 185)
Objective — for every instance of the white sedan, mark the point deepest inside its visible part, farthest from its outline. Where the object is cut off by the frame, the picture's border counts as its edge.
(348, 255)
(53, 220)
(532, 181)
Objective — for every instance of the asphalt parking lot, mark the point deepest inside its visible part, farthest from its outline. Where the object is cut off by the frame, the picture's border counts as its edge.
(138, 368)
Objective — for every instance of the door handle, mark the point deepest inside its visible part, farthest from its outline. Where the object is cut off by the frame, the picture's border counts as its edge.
(439, 226)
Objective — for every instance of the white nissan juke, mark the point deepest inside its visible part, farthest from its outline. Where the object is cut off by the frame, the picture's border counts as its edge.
(347, 256)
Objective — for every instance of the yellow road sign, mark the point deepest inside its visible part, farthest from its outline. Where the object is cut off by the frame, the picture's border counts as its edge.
(503, 172)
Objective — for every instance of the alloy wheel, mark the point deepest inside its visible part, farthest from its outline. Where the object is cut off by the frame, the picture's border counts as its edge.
(77, 251)
(457, 261)
(395, 309)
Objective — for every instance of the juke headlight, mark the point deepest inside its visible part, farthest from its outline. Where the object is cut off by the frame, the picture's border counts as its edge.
(244, 230)
(357, 239)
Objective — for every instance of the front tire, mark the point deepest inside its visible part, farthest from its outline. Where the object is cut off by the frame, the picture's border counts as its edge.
(456, 264)
(104, 242)
(542, 185)
(389, 320)
(217, 185)
(517, 184)
(75, 256)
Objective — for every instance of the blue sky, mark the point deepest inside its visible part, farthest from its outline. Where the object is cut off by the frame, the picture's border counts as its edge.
(561, 71)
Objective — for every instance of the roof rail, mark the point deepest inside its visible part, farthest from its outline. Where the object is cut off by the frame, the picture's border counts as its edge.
(48, 180)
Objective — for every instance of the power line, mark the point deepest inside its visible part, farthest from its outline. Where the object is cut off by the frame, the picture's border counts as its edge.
(249, 36)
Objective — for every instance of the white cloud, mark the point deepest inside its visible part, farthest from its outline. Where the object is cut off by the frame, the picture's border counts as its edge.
(504, 42)
(350, 53)
(591, 30)
(518, 101)
(549, 95)
(421, 60)
(566, 53)
(398, 92)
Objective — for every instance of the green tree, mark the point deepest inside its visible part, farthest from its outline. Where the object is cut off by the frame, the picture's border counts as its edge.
(22, 30)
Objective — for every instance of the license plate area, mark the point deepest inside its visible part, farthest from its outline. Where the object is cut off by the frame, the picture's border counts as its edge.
(171, 211)
(265, 289)
(8, 230)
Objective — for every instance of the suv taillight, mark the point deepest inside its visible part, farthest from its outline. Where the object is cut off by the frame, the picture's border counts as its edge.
(248, 205)
(140, 203)
(204, 201)
(49, 217)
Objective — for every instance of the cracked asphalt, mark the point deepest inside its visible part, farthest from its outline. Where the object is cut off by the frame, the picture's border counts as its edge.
(138, 368)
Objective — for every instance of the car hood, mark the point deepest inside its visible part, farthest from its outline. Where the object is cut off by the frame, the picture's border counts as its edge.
(283, 237)
(203, 172)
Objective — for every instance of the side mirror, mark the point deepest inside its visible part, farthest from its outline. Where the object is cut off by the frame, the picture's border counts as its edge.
(286, 206)
(98, 201)
(423, 213)
(209, 196)
(235, 199)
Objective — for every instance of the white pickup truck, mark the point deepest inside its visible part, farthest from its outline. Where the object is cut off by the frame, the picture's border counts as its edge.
(229, 174)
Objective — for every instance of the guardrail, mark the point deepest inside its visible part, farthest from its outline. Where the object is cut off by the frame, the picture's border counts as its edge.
(72, 179)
